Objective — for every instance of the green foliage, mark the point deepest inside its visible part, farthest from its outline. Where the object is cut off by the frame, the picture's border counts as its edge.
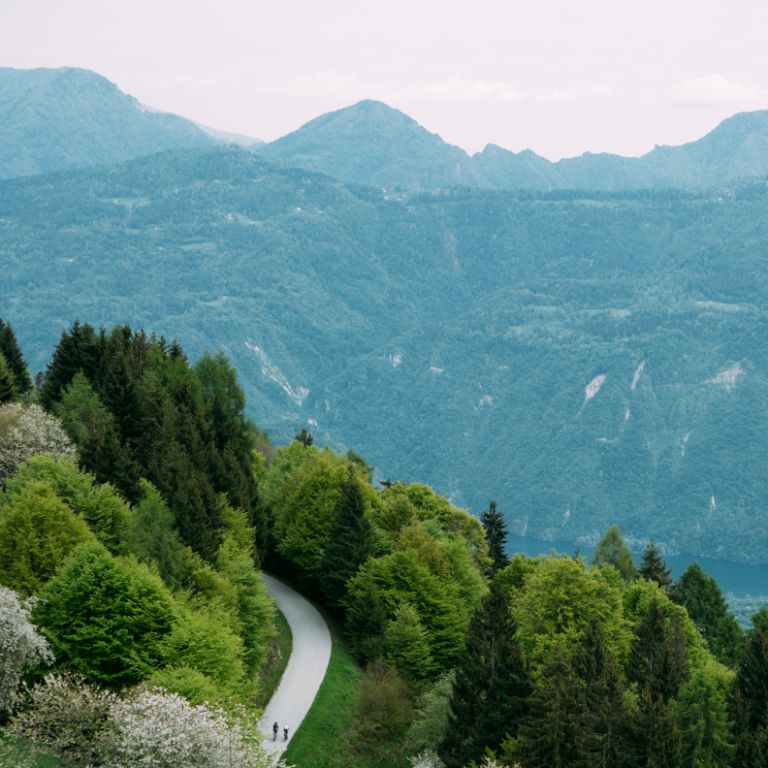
(749, 700)
(612, 550)
(570, 286)
(304, 518)
(382, 714)
(106, 513)
(136, 408)
(702, 598)
(349, 544)
(560, 599)
(406, 644)
(495, 536)
(91, 426)
(152, 538)
(255, 609)
(552, 735)
(8, 390)
(200, 642)
(491, 686)
(37, 533)
(653, 567)
(195, 686)
(433, 708)
(106, 618)
(701, 714)
(11, 357)
(384, 583)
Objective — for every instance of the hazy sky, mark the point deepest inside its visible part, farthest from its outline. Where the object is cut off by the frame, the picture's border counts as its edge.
(557, 76)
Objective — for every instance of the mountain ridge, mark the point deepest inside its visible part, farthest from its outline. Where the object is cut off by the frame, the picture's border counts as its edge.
(452, 337)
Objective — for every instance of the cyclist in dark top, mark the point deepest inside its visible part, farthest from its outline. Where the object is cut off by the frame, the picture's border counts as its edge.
(275, 729)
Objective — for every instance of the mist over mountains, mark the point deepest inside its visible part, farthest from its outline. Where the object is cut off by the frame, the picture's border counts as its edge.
(584, 357)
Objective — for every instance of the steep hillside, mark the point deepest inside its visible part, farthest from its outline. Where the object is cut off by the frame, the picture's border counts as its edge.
(52, 119)
(584, 358)
(371, 143)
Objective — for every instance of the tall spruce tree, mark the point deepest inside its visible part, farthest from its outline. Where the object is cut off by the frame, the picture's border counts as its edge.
(605, 721)
(658, 665)
(496, 537)
(350, 542)
(8, 389)
(553, 733)
(9, 349)
(749, 701)
(702, 597)
(653, 567)
(492, 684)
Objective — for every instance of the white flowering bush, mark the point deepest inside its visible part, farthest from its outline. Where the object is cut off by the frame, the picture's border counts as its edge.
(21, 646)
(426, 760)
(155, 729)
(68, 718)
(26, 430)
(85, 726)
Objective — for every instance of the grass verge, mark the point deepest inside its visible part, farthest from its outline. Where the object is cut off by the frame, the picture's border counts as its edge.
(320, 741)
(278, 653)
(16, 754)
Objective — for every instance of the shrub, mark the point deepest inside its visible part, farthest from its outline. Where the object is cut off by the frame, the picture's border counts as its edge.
(25, 431)
(21, 646)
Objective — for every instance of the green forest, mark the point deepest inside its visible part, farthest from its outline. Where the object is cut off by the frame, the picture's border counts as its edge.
(138, 507)
(369, 316)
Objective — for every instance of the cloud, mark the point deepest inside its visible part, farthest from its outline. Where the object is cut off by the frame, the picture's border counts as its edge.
(717, 91)
(461, 89)
(573, 94)
(327, 84)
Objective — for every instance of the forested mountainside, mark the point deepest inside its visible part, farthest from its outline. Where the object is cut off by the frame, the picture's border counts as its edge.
(55, 119)
(584, 358)
(52, 119)
(131, 606)
(371, 143)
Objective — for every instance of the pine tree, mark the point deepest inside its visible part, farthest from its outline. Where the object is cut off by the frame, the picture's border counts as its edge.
(749, 702)
(9, 349)
(304, 437)
(8, 390)
(350, 543)
(702, 598)
(80, 349)
(701, 716)
(605, 719)
(492, 684)
(496, 537)
(653, 567)
(552, 734)
(658, 665)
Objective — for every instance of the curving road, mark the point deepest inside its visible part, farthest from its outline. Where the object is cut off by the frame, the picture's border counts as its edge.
(306, 667)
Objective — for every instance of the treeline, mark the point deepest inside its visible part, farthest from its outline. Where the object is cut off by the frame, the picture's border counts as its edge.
(136, 409)
(129, 521)
(548, 661)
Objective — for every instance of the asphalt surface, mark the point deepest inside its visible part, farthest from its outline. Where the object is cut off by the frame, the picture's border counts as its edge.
(306, 667)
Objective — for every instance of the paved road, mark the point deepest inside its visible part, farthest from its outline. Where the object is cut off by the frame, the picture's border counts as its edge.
(306, 667)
